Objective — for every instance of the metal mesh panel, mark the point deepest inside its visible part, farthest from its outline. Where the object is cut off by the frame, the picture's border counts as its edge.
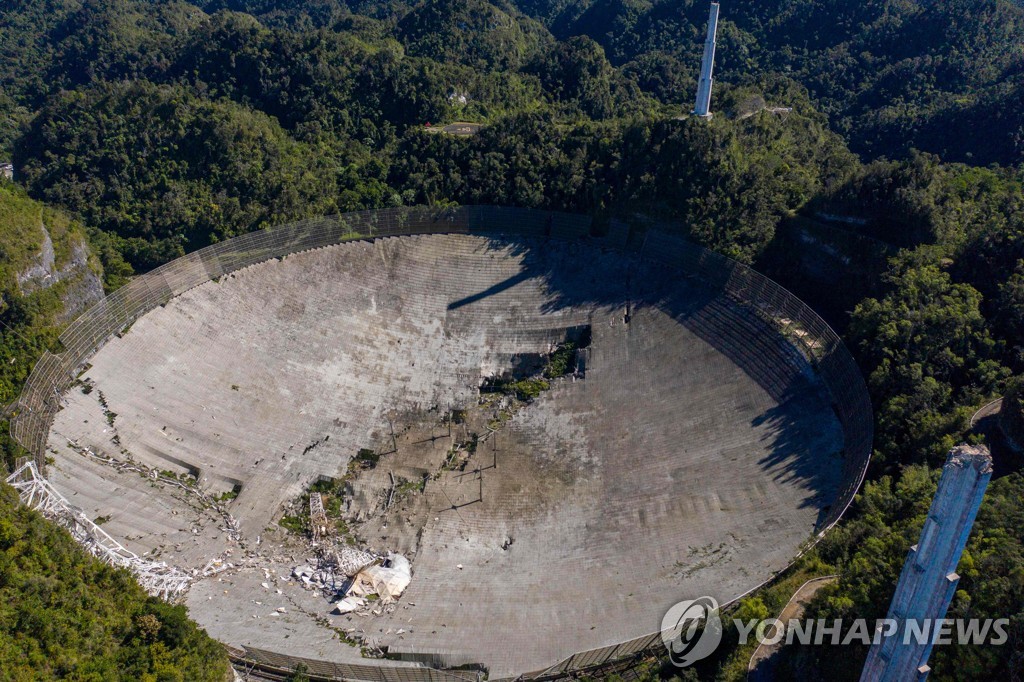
(569, 226)
(589, 659)
(810, 334)
(618, 234)
(807, 333)
(284, 663)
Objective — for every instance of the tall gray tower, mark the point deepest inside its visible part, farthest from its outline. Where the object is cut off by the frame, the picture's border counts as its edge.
(929, 578)
(703, 105)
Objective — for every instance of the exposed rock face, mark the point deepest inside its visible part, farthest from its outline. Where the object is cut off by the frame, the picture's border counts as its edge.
(42, 271)
(83, 284)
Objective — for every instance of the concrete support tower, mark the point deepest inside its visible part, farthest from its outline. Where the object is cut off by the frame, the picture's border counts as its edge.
(929, 578)
(703, 105)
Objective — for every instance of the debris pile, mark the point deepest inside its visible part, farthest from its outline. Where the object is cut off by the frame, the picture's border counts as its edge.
(354, 577)
(387, 579)
(351, 577)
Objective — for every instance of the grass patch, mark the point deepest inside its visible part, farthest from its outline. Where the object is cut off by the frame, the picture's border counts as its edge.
(562, 361)
(523, 390)
(229, 495)
(406, 487)
(298, 524)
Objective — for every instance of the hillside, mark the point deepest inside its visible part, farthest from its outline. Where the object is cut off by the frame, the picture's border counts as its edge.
(65, 615)
(944, 77)
(47, 276)
(890, 76)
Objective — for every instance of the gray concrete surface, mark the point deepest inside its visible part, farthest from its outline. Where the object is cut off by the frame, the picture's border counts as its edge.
(695, 457)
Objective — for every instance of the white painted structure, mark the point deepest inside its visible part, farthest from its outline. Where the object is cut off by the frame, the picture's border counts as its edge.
(703, 105)
(35, 492)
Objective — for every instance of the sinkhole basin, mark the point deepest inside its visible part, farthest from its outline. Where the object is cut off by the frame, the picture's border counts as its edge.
(692, 448)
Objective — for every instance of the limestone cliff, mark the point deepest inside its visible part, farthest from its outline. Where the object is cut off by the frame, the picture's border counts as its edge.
(80, 277)
(43, 249)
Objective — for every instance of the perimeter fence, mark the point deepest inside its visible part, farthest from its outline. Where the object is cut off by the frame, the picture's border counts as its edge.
(54, 375)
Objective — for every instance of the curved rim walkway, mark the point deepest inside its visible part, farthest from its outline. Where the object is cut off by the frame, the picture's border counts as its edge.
(987, 410)
(760, 667)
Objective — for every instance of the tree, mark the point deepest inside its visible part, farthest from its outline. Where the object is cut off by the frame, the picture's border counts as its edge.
(163, 170)
(930, 357)
(66, 615)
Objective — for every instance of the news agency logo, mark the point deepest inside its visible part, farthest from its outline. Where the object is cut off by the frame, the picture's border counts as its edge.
(692, 630)
(687, 642)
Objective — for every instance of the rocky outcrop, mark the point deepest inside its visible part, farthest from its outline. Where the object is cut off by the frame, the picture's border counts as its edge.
(42, 273)
(83, 286)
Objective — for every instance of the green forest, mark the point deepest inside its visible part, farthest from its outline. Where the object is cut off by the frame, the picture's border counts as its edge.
(141, 130)
(65, 615)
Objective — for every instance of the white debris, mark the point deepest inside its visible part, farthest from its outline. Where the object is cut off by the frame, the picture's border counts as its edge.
(387, 580)
(348, 605)
(350, 561)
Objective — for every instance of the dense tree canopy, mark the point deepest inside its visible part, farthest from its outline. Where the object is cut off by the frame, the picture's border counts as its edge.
(872, 549)
(944, 77)
(931, 352)
(66, 615)
(163, 169)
